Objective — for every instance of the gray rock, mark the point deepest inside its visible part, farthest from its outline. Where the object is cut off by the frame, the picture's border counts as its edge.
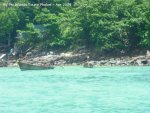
(142, 62)
(103, 62)
(88, 65)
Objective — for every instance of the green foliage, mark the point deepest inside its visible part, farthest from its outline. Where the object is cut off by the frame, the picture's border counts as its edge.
(8, 21)
(105, 25)
(109, 24)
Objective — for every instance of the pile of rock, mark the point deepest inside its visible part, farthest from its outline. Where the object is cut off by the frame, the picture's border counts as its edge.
(87, 59)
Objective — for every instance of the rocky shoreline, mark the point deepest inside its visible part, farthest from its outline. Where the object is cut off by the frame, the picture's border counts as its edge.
(73, 59)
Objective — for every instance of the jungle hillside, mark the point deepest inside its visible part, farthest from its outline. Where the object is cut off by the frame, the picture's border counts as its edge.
(100, 25)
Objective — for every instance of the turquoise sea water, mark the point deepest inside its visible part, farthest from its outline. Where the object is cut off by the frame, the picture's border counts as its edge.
(75, 90)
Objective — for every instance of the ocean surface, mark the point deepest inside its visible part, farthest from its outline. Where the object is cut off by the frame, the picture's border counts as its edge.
(75, 90)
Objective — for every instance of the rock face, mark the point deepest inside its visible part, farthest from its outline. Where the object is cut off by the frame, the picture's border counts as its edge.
(70, 58)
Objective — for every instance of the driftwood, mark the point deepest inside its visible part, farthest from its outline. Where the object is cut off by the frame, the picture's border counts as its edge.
(2, 56)
(3, 62)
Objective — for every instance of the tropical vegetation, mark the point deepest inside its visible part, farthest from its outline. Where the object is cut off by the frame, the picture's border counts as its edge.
(103, 25)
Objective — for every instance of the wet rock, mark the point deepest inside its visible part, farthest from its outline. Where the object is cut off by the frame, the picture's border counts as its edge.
(113, 62)
(70, 58)
(74, 64)
(103, 62)
(142, 62)
(60, 62)
(88, 65)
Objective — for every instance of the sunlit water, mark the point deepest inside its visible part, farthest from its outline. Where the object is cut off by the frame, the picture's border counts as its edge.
(75, 90)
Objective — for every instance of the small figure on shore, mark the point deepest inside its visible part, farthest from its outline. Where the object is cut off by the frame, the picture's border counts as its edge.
(14, 52)
(11, 51)
(147, 53)
(51, 53)
(87, 58)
